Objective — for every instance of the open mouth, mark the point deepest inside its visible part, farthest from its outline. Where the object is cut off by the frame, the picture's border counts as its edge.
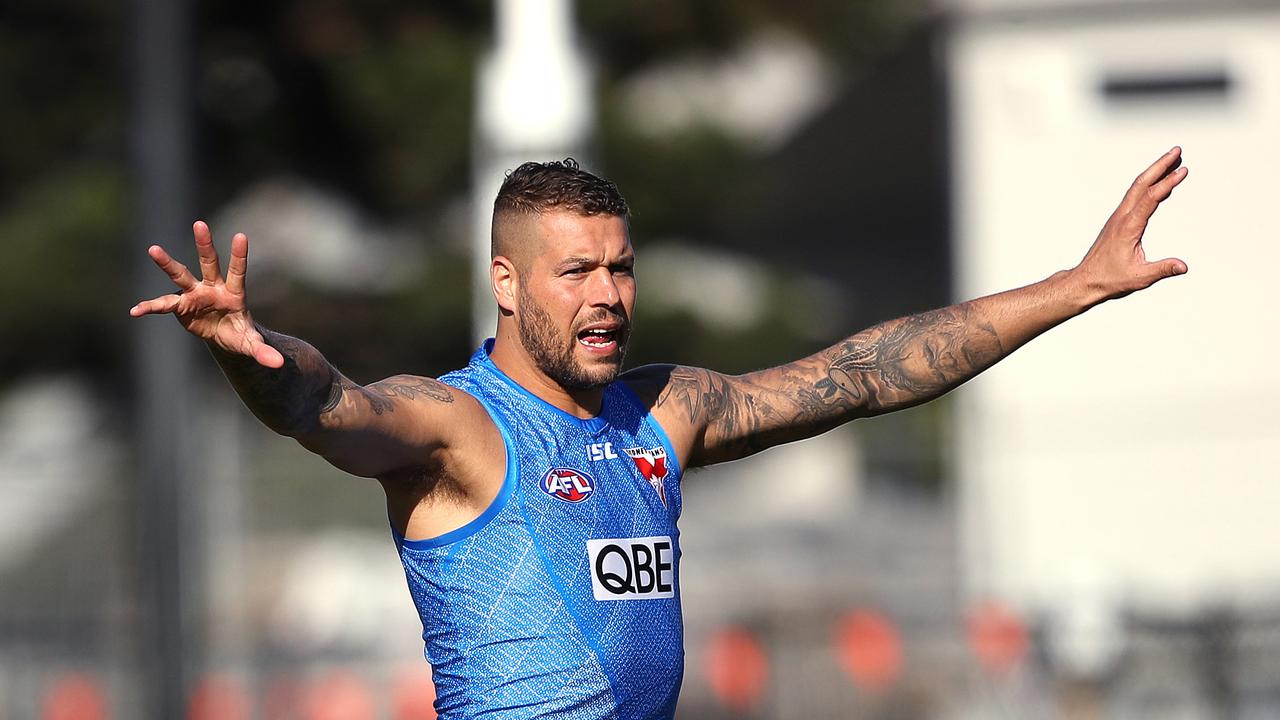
(599, 339)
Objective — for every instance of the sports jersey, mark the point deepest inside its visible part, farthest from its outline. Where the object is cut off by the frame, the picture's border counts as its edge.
(562, 598)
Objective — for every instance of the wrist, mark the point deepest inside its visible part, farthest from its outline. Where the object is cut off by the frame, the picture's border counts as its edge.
(1080, 290)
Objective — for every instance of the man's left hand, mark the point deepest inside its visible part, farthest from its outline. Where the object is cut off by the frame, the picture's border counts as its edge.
(1116, 264)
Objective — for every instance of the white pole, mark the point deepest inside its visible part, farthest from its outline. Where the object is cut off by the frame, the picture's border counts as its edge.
(534, 103)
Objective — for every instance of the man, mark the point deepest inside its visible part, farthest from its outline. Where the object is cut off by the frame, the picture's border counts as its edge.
(533, 495)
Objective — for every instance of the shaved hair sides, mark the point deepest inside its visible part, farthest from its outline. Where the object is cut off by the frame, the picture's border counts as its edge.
(535, 188)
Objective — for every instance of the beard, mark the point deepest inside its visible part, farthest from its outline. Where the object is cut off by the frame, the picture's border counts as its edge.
(554, 356)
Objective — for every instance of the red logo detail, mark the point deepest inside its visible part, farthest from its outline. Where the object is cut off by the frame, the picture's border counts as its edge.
(567, 484)
(652, 464)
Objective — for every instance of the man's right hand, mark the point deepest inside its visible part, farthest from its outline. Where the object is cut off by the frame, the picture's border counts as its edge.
(212, 308)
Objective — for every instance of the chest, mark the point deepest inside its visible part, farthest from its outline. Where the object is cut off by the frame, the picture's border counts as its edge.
(609, 478)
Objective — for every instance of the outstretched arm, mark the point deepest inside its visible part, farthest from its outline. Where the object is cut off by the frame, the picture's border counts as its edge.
(373, 431)
(904, 362)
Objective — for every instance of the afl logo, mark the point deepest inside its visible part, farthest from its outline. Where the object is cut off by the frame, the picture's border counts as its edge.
(571, 486)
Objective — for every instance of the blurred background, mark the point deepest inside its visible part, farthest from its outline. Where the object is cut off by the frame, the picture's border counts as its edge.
(1086, 531)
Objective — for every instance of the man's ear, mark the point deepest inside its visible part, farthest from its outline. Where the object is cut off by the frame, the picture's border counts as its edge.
(505, 282)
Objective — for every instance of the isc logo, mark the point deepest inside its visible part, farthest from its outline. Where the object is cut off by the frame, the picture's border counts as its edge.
(632, 568)
(568, 484)
(601, 451)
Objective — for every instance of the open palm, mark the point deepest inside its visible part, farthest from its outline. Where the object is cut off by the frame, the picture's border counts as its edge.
(213, 307)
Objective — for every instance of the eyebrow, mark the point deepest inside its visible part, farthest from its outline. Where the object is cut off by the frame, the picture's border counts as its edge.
(571, 262)
(578, 261)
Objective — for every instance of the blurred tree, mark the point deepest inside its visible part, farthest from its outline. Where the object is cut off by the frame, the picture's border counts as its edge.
(63, 189)
(372, 100)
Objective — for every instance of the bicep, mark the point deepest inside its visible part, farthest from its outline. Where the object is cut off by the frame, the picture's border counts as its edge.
(727, 417)
(387, 426)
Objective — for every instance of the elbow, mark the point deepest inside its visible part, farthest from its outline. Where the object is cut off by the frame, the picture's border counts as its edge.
(335, 412)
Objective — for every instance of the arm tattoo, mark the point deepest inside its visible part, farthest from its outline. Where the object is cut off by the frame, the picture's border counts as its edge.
(336, 388)
(287, 399)
(380, 396)
(891, 366)
(407, 387)
(379, 402)
(735, 413)
(685, 389)
(411, 387)
(911, 360)
(291, 399)
(341, 386)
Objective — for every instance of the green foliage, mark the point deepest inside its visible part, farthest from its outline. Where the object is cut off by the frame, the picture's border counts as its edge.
(630, 35)
(64, 276)
(59, 98)
(409, 101)
(373, 100)
(675, 185)
(423, 329)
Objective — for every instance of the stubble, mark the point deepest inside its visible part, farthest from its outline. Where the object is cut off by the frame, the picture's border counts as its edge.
(554, 356)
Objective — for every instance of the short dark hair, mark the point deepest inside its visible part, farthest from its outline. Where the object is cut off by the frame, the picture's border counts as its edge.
(536, 187)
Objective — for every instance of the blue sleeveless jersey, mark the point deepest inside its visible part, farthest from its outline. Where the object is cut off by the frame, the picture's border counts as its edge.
(562, 599)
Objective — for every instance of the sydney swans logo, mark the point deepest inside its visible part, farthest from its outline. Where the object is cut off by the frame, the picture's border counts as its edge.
(652, 464)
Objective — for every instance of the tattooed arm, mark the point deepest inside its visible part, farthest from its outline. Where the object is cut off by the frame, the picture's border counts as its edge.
(376, 431)
(373, 431)
(713, 417)
(891, 366)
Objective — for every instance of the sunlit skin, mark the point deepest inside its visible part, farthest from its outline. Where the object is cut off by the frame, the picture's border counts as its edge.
(453, 462)
(575, 273)
(557, 274)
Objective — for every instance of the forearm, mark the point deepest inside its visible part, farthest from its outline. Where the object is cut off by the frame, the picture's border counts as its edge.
(289, 399)
(911, 360)
(891, 366)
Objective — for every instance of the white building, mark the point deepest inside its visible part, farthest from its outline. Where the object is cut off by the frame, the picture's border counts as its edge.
(1129, 459)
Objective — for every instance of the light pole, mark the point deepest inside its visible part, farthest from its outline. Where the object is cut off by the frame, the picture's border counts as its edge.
(534, 103)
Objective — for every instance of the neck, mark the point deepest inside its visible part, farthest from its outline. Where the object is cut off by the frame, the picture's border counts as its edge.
(511, 358)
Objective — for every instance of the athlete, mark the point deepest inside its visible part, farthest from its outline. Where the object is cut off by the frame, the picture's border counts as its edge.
(533, 494)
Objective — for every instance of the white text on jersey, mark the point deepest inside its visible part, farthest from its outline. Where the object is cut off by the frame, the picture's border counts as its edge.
(601, 451)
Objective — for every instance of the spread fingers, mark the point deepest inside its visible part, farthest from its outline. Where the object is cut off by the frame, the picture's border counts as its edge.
(209, 269)
(176, 271)
(239, 264)
(160, 305)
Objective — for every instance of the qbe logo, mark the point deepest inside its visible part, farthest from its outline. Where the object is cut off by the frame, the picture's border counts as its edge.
(632, 568)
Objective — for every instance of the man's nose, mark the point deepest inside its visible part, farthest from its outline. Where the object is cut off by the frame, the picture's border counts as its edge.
(604, 289)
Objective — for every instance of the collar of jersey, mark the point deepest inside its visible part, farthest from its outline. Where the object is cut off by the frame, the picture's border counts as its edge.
(594, 425)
